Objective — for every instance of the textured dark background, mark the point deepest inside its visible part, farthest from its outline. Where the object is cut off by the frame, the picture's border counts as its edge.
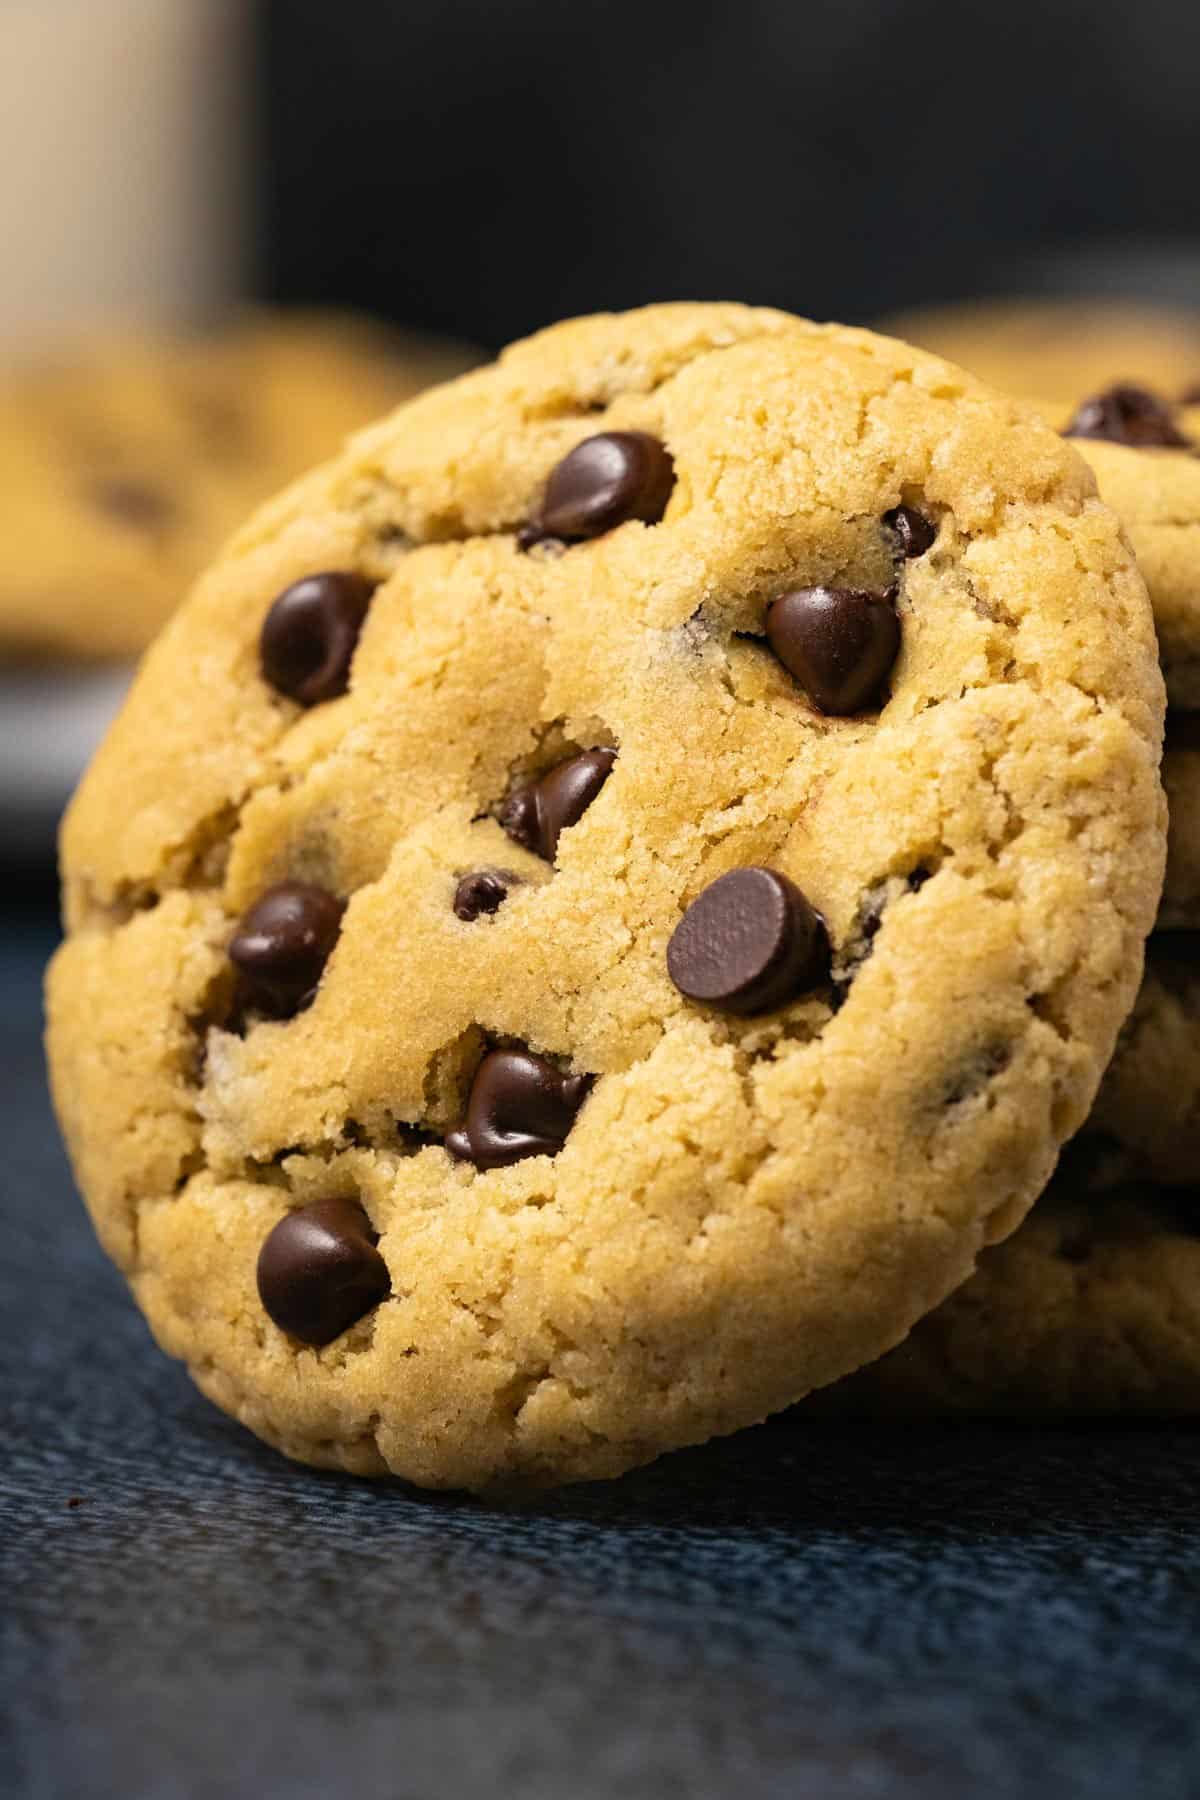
(794, 1614)
(487, 168)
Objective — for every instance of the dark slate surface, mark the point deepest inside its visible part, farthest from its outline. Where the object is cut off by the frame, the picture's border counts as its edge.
(932, 1614)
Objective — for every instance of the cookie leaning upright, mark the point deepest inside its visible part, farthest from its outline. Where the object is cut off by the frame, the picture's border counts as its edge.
(639, 997)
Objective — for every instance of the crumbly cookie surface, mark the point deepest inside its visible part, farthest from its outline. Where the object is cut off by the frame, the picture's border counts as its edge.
(744, 1205)
(124, 466)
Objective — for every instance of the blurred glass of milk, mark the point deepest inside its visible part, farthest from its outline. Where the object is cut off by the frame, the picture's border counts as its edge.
(122, 162)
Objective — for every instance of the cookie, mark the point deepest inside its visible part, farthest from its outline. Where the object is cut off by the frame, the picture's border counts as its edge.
(609, 896)
(1061, 349)
(1143, 452)
(1092, 1308)
(124, 466)
(1153, 482)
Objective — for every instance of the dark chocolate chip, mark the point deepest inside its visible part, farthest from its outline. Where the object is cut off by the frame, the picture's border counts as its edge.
(915, 532)
(838, 643)
(1190, 395)
(139, 504)
(282, 944)
(481, 891)
(603, 481)
(1125, 414)
(310, 633)
(1183, 730)
(748, 944)
(520, 1105)
(319, 1271)
(537, 814)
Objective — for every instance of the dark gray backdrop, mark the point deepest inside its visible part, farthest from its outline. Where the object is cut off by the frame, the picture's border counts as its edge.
(486, 167)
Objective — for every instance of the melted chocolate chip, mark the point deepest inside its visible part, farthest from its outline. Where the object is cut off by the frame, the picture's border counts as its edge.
(1125, 414)
(319, 1271)
(603, 481)
(310, 634)
(537, 814)
(481, 891)
(139, 504)
(915, 532)
(520, 1105)
(838, 643)
(283, 943)
(748, 944)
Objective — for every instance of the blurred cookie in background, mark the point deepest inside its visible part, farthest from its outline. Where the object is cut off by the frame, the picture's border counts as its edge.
(1060, 349)
(126, 462)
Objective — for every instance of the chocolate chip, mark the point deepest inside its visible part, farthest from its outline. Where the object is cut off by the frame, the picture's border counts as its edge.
(1190, 395)
(481, 891)
(137, 503)
(1183, 730)
(1125, 414)
(915, 532)
(520, 1105)
(603, 481)
(748, 944)
(537, 814)
(838, 643)
(310, 633)
(319, 1271)
(282, 944)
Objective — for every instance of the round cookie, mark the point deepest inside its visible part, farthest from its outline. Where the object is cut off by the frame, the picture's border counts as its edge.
(1061, 349)
(125, 465)
(550, 1027)
(1092, 1308)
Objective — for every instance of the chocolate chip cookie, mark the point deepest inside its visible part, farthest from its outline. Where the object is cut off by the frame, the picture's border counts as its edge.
(1144, 452)
(1146, 457)
(125, 465)
(609, 896)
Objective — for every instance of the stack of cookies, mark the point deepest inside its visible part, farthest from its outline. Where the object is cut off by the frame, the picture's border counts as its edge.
(605, 906)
